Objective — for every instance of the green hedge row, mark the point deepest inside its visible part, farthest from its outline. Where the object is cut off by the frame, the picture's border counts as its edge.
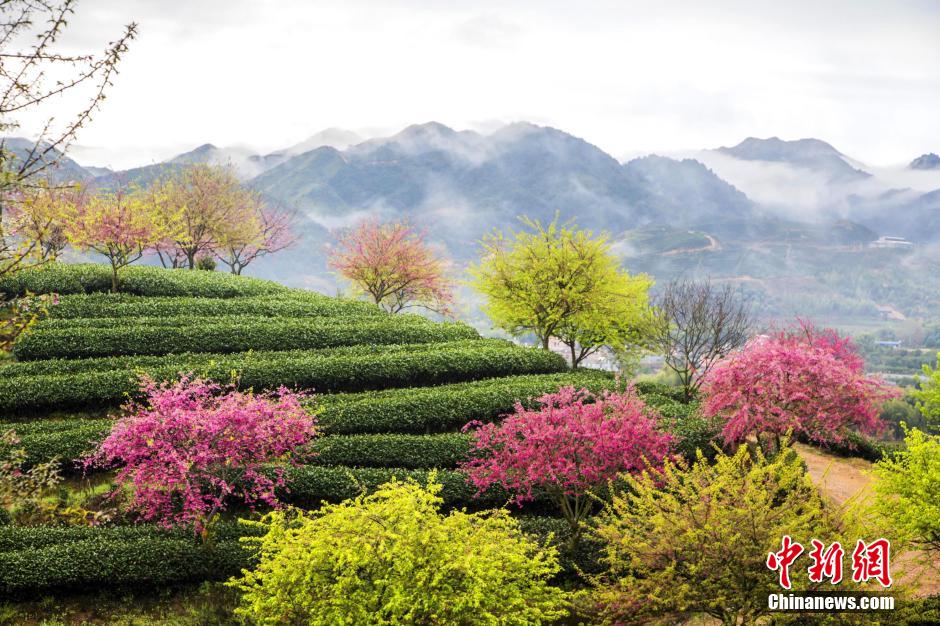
(131, 338)
(201, 360)
(367, 367)
(90, 307)
(140, 280)
(435, 409)
(310, 485)
(43, 559)
(443, 450)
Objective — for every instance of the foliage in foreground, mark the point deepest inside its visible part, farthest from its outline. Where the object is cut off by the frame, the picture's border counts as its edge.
(392, 558)
(189, 449)
(696, 539)
(908, 489)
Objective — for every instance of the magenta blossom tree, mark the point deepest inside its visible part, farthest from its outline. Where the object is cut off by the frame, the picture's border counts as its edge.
(803, 381)
(571, 446)
(193, 445)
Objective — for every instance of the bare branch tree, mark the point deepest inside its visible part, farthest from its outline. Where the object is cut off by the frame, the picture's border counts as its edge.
(33, 71)
(698, 324)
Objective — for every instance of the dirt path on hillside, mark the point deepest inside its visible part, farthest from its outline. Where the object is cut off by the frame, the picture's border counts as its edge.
(841, 478)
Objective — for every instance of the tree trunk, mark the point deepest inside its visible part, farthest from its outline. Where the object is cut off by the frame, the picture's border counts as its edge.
(114, 278)
(545, 342)
(574, 358)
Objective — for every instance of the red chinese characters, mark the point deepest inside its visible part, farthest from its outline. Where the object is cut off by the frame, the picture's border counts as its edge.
(872, 561)
(784, 558)
(826, 563)
(869, 561)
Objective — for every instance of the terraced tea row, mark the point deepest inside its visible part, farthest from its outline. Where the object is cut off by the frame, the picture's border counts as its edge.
(290, 304)
(139, 280)
(226, 336)
(357, 369)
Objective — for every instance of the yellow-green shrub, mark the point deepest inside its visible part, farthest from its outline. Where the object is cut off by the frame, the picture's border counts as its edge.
(392, 558)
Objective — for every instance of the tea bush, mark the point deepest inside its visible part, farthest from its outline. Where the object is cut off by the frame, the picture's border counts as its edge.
(364, 367)
(95, 306)
(225, 336)
(137, 279)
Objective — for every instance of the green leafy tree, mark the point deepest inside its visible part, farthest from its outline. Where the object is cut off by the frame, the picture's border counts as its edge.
(696, 539)
(562, 282)
(392, 558)
(908, 490)
(928, 396)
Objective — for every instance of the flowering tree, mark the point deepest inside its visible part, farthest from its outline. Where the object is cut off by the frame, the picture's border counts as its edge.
(116, 225)
(200, 207)
(394, 265)
(805, 381)
(264, 229)
(570, 446)
(40, 214)
(194, 445)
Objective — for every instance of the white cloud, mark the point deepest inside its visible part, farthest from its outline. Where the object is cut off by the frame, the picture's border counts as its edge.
(630, 76)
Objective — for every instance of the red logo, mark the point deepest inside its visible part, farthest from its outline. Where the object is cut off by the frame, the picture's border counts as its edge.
(869, 561)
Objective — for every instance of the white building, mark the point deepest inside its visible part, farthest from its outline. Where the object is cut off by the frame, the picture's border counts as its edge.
(891, 242)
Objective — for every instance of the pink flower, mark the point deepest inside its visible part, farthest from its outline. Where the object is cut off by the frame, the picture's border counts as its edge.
(195, 445)
(571, 444)
(811, 382)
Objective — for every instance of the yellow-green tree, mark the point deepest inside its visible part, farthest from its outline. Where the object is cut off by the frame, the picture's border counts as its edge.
(908, 489)
(117, 225)
(563, 282)
(696, 539)
(928, 396)
(202, 206)
(392, 558)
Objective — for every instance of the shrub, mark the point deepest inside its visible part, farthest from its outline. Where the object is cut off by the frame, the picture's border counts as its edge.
(393, 558)
(696, 539)
(65, 384)
(908, 490)
(144, 281)
(190, 449)
(224, 336)
(570, 446)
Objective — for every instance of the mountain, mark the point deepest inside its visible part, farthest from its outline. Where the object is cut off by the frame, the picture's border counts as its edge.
(462, 183)
(929, 161)
(810, 154)
(691, 193)
(63, 170)
(338, 138)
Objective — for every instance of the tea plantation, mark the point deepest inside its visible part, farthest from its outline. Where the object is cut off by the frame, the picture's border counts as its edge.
(391, 394)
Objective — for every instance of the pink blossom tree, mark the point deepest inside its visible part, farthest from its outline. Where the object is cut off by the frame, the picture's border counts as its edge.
(394, 265)
(807, 382)
(571, 446)
(194, 445)
(264, 229)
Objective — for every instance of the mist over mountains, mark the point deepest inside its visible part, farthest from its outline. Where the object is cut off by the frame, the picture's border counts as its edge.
(791, 221)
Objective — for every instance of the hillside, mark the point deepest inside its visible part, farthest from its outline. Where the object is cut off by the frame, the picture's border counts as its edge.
(391, 394)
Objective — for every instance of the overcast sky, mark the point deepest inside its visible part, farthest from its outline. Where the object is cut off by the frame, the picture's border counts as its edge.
(630, 76)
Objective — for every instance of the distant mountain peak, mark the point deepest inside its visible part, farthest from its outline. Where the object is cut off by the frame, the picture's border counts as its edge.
(929, 161)
(808, 153)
